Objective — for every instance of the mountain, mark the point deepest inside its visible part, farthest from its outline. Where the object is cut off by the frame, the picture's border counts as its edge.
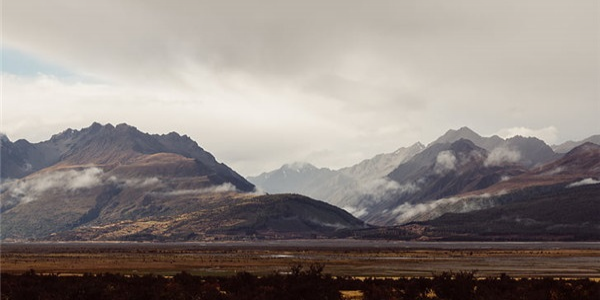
(555, 201)
(382, 164)
(558, 200)
(465, 133)
(301, 178)
(527, 151)
(568, 146)
(438, 172)
(348, 187)
(117, 183)
(373, 188)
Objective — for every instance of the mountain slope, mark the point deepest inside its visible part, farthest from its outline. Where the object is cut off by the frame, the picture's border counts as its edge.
(382, 164)
(558, 213)
(570, 145)
(438, 172)
(229, 216)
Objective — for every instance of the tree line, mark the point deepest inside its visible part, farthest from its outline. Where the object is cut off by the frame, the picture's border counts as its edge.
(299, 283)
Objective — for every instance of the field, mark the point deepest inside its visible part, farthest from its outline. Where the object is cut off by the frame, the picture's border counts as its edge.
(339, 257)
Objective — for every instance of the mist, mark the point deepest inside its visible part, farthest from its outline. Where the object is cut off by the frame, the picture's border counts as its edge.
(30, 189)
(223, 188)
(586, 181)
(500, 156)
(445, 161)
(408, 212)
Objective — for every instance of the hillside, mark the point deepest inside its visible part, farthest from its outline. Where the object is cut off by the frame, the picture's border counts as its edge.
(550, 213)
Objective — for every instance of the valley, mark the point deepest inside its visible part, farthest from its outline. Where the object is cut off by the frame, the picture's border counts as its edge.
(340, 258)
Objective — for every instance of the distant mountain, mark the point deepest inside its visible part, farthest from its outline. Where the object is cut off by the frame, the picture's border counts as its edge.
(568, 146)
(382, 164)
(373, 188)
(465, 133)
(559, 200)
(573, 181)
(527, 151)
(349, 188)
(556, 201)
(301, 178)
(114, 183)
(440, 171)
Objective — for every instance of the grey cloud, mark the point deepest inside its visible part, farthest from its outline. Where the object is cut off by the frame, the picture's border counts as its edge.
(408, 212)
(383, 63)
(586, 181)
(445, 161)
(501, 155)
(30, 189)
(223, 188)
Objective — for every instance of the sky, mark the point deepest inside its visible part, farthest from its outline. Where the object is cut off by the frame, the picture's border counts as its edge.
(263, 83)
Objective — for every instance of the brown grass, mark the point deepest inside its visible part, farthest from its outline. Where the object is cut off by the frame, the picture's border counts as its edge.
(222, 259)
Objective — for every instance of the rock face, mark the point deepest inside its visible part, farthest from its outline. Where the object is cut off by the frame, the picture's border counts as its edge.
(114, 183)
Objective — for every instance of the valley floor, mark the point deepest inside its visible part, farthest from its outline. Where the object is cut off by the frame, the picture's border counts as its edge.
(340, 258)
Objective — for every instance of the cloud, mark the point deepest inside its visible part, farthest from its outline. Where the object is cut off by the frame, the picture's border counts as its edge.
(31, 188)
(445, 161)
(501, 155)
(327, 76)
(383, 187)
(586, 181)
(408, 212)
(547, 134)
(223, 188)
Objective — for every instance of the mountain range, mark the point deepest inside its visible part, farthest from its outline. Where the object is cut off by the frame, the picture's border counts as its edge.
(460, 173)
(108, 182)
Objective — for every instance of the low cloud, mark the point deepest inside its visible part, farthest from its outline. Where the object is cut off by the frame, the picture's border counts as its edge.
(586, 181)
(138, 182)
(29, 189)
(223, 188)
(501, 155)
(444, 162)
(408, 212)
(382, 187)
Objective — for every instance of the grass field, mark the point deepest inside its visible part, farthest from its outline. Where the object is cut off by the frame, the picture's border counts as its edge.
(340, 258)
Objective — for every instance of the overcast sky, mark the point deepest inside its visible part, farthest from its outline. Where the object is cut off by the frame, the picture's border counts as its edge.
(262, 83)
